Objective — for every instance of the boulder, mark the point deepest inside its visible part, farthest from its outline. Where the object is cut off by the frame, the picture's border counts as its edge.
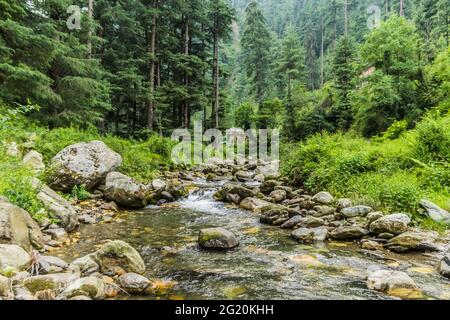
(348, 233)
(158, 185)
(305, 235)
(49, 264)
(242, 191)
(278, 195)
(311, 222)
(83, 164)
(357, 211)
(444, 266)
(23, 294)
(394, 283)
(55, 282)
(322, 211)
(177, 189)
(292, 222)
(435, 213)
(17, 227)
(372, 216)
(371, 245)
(344, 203)
(414, 241)
(58, 206)
(133, 282)
(125, 191)
(394, 223)
(91, 287)
(58, 234)
(85, 265)
(13, 150)
(275, 215)
(235, 198)
(254, 204)
(244, 176)
(117, 257)
(15, 257)
(34, 161)
(269, 185)
(323, 198)
(217, 238)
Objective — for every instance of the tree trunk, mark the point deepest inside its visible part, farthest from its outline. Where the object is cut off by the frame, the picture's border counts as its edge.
(216, 93)
(186, 76)
(401, 9)
(346, 17)
(90, 15)
(322, 62)
(152, 52)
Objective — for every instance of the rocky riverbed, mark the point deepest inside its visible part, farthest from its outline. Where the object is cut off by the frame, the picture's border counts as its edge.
(220, 230)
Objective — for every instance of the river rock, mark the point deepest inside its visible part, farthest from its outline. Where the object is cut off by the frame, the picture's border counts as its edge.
(118, 256)
(177, 189)
(259, 178)
(348, 233)
(58, 206)
(324, 211)
(372, 216)
(235, 198)
(254, 204)
(275, 215)
(414, 240)
(49, 264)
(244, 176)
(278, 195)
(81, 298)
(34, 161)
(394, 223)
(13, 150)
(344, 203)
(371, 245)
(242, 191)
(85, 265)
(17, 227)
(357, 211)
(125, 191)
(311, 222)
(444, 267)
(15, 257)
(435, 213)
(55, 282)
(394, 283)
(305, 235)
(292, 222)
(58, 234)
(217, 238)
(269, 185)
(91, 287)
(83, 164)
(158, 185)
(5, 286)
(23, 294)
(133, 282)
(323, 198)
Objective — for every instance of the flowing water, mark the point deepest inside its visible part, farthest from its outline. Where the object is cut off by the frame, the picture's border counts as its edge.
(268, 264)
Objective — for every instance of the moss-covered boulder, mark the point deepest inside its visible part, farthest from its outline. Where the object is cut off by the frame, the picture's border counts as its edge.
(118, 257)
(217, 238)
(91, 287)
(55, 282)
(13, 257)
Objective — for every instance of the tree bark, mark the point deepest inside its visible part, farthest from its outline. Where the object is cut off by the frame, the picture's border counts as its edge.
(152, 52)
(216, 93)
(186, 76)
(346, 17)
(322, 62)
(401, 9)
(90, 15)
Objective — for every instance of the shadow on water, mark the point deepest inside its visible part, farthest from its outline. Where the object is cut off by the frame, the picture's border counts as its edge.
(268, 264)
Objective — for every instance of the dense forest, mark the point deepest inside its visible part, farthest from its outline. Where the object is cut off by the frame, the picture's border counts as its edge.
(135, 69)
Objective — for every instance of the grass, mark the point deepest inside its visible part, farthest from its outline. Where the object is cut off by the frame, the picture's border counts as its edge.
(389, 174)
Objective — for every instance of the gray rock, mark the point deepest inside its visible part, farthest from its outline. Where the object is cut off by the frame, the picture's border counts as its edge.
(17, 227)
(414, 241)
(278, 195)
(49, 264)
(80, 298)
(244, 176)
(254, 204)
(388, 281)
(15, 257)
(311, 222)
(22, 294)
(91, 287)
(83, 164)
(292, 222)
(323, 197)
(133, 283)
(55, 282)
(158, 185)
(269, 185)
(371, 245)
(372, 216)
(85, 265)
(394, 223)
(275, 215)
(117, 256)
(13, 150)
(305, 235)
(217, 238)
(235, 198)
(348, 233)
(34, 161)
(58, 234)
(5, 286)
(125, 191)
(57, 205)
(324, 211)
(435, 213)
(344, 203)
(444, 266)
(357, 211)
